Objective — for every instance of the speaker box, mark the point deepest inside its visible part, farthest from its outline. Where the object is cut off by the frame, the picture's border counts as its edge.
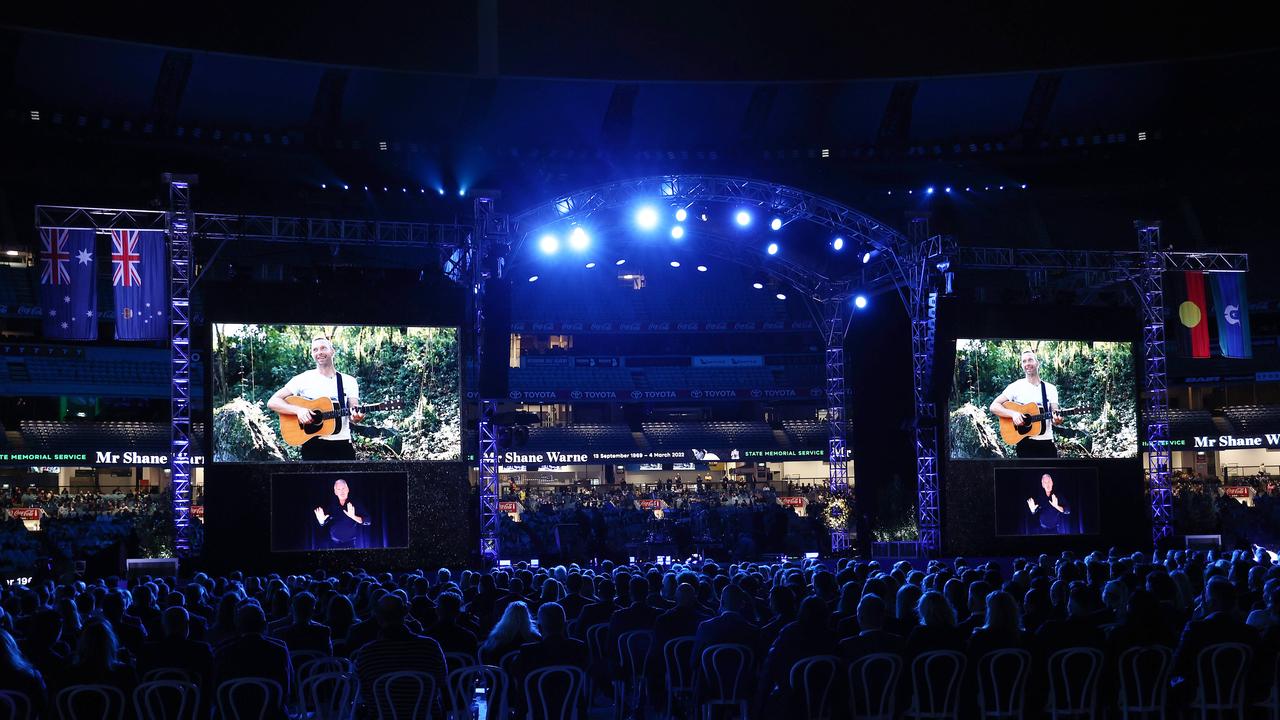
(496, 343)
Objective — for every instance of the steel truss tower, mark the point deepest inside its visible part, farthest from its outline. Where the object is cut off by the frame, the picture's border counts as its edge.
(1155, 380)
(835, 324)
(181, 273)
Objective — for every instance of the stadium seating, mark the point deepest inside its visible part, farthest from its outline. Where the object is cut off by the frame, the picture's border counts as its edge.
(54, 436)
(1253, 419)
(713, 434)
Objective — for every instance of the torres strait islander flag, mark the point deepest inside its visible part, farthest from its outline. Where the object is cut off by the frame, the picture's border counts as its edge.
(68, 284)
(1188, 303)
(140, 282)
(1231, 312)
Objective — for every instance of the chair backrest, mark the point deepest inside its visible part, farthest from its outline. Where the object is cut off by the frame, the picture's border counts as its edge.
(1002, 681)
(249, 698)
(171, 673)
(404, 695)
(727, 668)
(1223, 669)
(595, 641)
(814, 680)
(873, 686)
(298, 658)
(936, 678)
(464, 681)
(167, 700)
(1144, 678)
(14, 705)
(553, 692)
(678, 654)
(633, 652)
(1073, 681)
(90, 702)
(456, 660)
(330, 695)
(508, 661)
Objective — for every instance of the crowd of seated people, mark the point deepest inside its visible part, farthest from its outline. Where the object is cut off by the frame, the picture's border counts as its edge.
(775, 618)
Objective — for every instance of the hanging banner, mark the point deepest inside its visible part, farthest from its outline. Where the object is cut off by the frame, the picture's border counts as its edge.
(140, 281)
(68, 284)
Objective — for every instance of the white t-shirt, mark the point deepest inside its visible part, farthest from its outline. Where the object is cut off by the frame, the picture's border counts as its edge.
(311, 385)
(1022, 392)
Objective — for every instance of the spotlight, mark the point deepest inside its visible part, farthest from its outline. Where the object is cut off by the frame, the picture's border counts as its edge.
(549, 244)
(703, 217)
(647, 217)
(866, 257)
(579, 239)
(1023, 186)
(384, 188)
(533, 278)
(462, 192)
(743, 218)
(775, 224)
(837, 244)
(675, 263)
(440, 192)
(702, 268)
(781, 296)
(621, 262)
(677, 232)
(681, 215)
(404, 190)
(324, 186)
(968, 189)
(757, 285)
(928, 190)
(422, 190)
(860, 302)
(346, 186)
(772, 249)
(947, 190)
(366, 188)
(1001, 187)
(590, 265)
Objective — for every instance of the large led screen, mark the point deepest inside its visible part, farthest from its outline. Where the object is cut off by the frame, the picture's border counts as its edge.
(320, 393)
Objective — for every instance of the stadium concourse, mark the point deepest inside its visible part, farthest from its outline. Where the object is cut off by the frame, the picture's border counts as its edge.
(499, 361)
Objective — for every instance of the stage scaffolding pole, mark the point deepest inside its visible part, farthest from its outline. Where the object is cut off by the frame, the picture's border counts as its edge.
(835, 325)
(1155, 380)
(180, 220)
(922, 306)
(487, 250)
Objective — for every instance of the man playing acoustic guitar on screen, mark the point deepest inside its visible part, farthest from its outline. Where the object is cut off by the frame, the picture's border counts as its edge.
(322, 382)
(1021, 408)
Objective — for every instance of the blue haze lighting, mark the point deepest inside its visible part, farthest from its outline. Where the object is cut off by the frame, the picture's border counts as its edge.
(647, 217)
(681, 215)
(743, 218)
(579, 239)
(772, 249)
(860, 302)
(549, 244)
(677, 232)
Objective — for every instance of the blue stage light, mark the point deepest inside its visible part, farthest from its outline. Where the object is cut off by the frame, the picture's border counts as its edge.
(533, 278)
(860, 302)
(772, 249)
(440, 192)
(757, 285)
(675, 263)
(346, 186)
(702, 268)
(743, 218)
(1024, 186)
(775, 224)
(947, 189)
(866, 257)
(681, 215)
(366, 188)
(462, 192)
(590, 265)
(781, 296)
(677, 232)
(647, 217)
(324, 186)
(579, 239)
(404, 190)
(837, 244)
(928, 190)
(549, 244)
(621, 262)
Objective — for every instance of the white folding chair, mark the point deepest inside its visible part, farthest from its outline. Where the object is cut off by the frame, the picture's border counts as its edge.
(728, 668)
(249, 698)
(936, 678)
(405, 695)
(467, 683)
(167, 700)
(1223, 672)
(1144, 681)
(553, 692)
(14, 705)
(873, 686)
(1073, 683)
(1002, 683)
(90, 702)
(814, 679)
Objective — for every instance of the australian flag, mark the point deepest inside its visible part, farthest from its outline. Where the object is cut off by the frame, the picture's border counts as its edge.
(68, 284)
(140, 282)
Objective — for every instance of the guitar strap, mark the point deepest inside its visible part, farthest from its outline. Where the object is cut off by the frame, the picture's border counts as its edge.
(1044, 397)
(342, 405)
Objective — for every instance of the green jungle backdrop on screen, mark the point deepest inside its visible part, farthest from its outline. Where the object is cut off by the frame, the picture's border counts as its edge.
(407, 380)
(1096, 393)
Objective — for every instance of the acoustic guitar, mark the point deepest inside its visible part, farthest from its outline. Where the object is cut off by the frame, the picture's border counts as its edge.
(1032, 420)
(324, 418)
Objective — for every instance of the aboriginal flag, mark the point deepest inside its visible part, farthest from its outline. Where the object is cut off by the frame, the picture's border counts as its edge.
(1191, 316)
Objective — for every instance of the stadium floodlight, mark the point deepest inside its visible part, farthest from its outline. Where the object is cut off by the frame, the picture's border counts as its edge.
(677, 232)
(772, 249)
(579, 239)
(549, 244)
(647, 217)
(743, 218)
(837, 244)
(860, 302)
